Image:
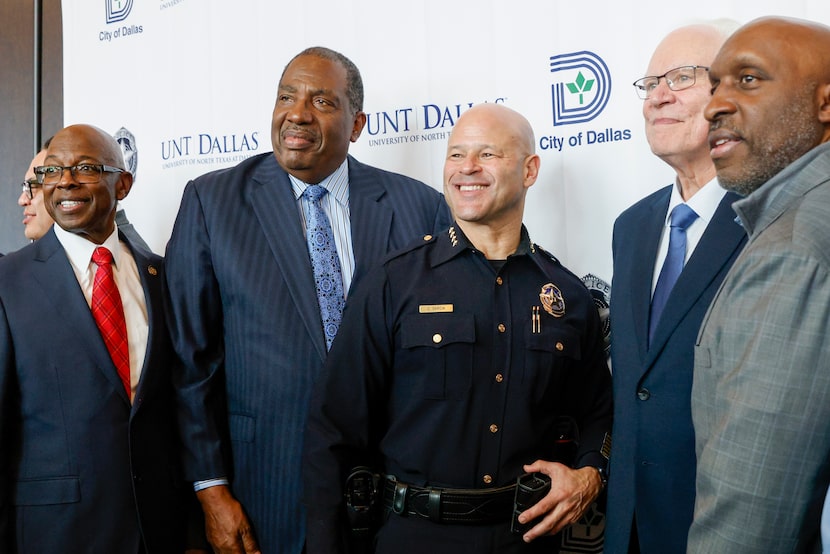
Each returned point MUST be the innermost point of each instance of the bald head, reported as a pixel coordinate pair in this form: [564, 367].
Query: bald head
[83, 201]
[771, 99]
[498, 118]
[105, 146]
[490, 164]
[689, 45]
[675, 128]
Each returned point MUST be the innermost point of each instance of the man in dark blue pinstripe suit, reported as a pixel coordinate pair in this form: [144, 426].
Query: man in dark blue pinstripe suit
[244, 309]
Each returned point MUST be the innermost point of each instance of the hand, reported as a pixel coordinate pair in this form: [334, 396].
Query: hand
[571, 493]
[226, 525]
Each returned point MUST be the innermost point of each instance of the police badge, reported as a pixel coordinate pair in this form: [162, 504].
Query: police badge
[552, 301]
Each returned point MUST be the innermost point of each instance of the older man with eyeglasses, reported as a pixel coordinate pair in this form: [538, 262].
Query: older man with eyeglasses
[36, 219]
[89, 459]
[684, 233]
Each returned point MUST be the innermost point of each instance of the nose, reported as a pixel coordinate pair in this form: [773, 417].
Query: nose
[720, 104]
[66, 171]
[299, 112]
[469, 165]
[661, 93]
[23, 199]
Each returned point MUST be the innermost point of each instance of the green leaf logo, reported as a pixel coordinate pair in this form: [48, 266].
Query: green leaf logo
[581, 86]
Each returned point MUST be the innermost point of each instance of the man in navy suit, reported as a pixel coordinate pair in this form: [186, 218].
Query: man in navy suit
[652, 476]
[244, 306]
[89, 459]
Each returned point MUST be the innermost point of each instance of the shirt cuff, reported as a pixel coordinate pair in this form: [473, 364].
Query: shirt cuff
[207, 483]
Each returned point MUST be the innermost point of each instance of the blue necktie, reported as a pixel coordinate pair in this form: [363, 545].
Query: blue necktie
[328, 277]
[681, 217]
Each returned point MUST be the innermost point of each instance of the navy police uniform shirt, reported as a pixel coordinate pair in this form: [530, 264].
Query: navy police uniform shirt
[450, 371]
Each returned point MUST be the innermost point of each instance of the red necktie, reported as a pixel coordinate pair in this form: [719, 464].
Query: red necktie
[109, 314]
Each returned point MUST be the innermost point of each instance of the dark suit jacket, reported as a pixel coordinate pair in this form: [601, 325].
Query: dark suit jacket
[81, 470]
[245, 320]
[652, 468]
[129, 230]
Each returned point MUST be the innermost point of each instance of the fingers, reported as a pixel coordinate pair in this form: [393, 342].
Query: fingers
[571, 493]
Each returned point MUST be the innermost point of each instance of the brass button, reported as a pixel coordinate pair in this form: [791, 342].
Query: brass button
[494, 428]
[499, 280]
[427, 237]
[502, 328]
[436, 338]
[499, 377]
[560, 346]
[487, 479]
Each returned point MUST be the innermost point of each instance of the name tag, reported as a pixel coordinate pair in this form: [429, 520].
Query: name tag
[434, 308]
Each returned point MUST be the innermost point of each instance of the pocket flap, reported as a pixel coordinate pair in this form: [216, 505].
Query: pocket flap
[42, 492]
[437, 330]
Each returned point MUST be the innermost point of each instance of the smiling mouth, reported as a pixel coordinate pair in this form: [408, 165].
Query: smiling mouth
[470, 188]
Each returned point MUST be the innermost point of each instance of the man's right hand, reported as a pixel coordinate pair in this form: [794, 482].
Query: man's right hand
[226, 525]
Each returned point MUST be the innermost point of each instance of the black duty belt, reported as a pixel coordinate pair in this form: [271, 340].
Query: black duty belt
[449, 505]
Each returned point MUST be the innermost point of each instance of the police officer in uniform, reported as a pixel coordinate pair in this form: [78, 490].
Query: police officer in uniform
[455, 364]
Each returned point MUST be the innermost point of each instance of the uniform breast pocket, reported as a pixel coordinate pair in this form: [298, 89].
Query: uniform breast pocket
[548, 355]
[437, 353]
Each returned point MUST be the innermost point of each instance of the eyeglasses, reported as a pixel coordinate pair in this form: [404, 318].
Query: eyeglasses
[29, 186]
[679, 78]
[82, 173]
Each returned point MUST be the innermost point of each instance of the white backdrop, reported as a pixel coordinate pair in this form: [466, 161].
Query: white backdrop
[193, 83]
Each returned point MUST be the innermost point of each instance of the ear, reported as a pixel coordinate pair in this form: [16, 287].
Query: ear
[357, 126]
[823, 97]
[531, 169]
[123, 185]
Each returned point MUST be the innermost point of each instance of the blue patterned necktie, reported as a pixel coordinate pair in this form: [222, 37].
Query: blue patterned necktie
[681, 217]
[328, 277]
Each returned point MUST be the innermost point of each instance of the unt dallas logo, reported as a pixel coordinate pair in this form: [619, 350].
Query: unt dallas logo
[581, 89]
[118, 10]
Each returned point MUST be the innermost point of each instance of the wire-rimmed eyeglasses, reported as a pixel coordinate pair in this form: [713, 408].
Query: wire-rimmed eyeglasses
[679, 78]
[82, 173]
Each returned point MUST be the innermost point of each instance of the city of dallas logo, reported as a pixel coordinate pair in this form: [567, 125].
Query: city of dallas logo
[118, 10]
[582, 88]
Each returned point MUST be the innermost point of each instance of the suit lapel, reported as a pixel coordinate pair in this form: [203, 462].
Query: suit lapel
[371, 220]
[55, 276]
[150, 276]
[642, 272]
[723, 236]
[275, 207]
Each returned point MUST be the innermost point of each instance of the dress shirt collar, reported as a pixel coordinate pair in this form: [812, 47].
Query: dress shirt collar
[337, 184]
[704, 202]
[79, 250]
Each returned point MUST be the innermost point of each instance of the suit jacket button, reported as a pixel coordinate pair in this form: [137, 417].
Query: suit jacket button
[643, 394]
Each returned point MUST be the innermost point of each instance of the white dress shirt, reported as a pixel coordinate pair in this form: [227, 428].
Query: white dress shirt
[79, 251]
[705, 203]
[336, 206]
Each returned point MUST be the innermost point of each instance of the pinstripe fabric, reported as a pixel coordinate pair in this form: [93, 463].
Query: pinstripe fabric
[761, 393]
[245, 320]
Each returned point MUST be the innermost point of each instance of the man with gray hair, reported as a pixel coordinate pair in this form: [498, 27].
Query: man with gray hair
[654, 321]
